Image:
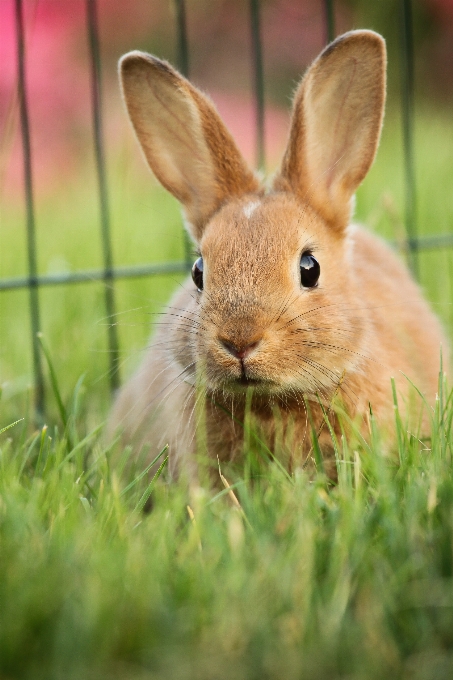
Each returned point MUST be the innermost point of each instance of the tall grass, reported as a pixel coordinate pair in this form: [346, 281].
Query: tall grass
[276, 576]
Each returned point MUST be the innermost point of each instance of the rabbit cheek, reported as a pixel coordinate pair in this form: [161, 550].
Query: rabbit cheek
[315, 343]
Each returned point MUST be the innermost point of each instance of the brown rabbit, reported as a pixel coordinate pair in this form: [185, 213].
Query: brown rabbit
[286, 297]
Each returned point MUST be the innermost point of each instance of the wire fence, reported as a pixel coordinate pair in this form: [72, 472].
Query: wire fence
[109, 272]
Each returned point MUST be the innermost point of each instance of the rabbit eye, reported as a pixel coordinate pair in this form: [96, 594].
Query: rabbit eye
[309, 270]
[197, 274]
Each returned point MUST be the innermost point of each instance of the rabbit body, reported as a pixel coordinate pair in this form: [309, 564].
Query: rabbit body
[253, 334]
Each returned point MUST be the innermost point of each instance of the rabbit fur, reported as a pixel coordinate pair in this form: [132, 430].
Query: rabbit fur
[254, 325]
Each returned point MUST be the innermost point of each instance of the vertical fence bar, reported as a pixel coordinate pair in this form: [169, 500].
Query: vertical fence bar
[30, 215]
[258, 79]
[93, 39]
[330, 20]
[182, 61]
[182, 44]
[407, 110]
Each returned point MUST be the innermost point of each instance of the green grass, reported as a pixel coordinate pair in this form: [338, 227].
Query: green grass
[305, 580]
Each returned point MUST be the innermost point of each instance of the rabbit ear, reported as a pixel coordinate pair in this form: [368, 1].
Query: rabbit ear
[336, 124]
[183, 138]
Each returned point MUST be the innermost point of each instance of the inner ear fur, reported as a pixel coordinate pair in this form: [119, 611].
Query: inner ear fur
[336, 124]
[183, 138]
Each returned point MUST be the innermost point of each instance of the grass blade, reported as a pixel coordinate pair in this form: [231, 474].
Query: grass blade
[8, 427]
[54, 381]
[145, 471]
[149, 489]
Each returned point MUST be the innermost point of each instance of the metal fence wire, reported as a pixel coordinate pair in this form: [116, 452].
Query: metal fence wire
[109, 272]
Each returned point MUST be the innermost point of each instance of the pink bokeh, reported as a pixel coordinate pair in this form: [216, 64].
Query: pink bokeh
[57, 91]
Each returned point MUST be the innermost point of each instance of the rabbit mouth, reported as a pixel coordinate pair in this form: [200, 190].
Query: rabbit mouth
[246, 381]
[261, 385]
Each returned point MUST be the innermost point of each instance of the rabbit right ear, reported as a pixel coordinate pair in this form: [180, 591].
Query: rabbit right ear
[336, 125]
[183, 138]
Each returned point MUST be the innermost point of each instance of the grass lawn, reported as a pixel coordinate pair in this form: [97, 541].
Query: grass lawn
[303, 580]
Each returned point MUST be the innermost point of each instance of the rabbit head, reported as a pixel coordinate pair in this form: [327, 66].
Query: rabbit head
[274, 298]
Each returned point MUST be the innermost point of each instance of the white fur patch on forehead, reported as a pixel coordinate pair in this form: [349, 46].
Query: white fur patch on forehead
[250, 208]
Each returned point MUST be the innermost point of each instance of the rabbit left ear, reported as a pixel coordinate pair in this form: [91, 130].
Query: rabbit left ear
[336, 125]
[183, 138]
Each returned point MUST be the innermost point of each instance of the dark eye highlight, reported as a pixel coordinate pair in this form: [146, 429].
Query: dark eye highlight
[309, 270]
[197, 274]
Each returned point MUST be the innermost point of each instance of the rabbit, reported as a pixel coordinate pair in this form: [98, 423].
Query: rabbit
[289, 307]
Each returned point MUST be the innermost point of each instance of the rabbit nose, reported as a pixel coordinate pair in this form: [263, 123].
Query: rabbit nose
[239, 351]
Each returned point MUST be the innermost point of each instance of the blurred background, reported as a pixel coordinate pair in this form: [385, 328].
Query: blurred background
[145, 221]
